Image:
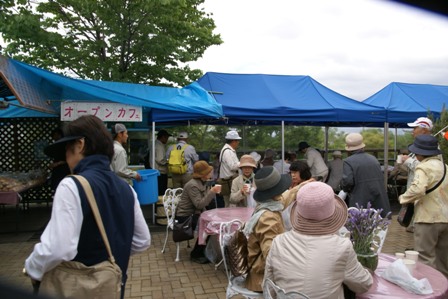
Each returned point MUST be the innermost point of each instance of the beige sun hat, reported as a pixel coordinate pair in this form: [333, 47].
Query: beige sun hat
[353, 142]
[247, 160]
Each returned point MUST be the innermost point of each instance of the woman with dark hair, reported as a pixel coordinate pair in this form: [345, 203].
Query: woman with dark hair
[300, 174]
[72, 233]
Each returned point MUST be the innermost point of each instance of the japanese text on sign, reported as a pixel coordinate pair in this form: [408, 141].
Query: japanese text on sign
[104, 111]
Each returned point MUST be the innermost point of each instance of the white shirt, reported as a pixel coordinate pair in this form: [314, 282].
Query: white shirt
[279, 164]
[229, 161]
[119, 163]
[59, 241]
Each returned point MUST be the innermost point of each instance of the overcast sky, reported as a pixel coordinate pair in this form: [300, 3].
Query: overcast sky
[355, 47]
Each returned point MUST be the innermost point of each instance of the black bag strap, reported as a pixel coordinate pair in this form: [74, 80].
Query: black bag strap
[220, 160]
[440, 182]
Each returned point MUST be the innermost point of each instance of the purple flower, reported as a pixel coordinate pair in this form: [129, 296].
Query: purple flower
[363, 224]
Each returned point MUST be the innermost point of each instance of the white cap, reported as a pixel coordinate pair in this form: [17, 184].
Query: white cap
[183, 135]
[422, 122]
[232, 135]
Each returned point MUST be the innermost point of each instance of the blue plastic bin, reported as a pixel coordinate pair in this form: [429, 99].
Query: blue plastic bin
[147, 189]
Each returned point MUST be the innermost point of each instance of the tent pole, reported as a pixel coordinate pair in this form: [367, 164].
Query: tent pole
[326, 144]
[283, 145]
[153, 163]
[386, 153]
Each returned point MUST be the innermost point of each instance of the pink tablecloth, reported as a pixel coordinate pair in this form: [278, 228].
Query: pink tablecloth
[210, 220]
[9, 198]
[382, 288]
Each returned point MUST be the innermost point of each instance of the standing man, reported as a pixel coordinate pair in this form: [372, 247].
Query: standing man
[119, 162]
[190, 156]
[422, 126]
[319, 169]
[362, 177]
[161, 163]
[229, 163]
[335, 171]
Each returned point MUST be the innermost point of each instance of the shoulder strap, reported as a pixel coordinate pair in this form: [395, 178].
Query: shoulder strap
[440, 182]
[96, 213]
[220, 160]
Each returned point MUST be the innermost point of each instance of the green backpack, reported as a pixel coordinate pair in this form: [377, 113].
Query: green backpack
[176, 162]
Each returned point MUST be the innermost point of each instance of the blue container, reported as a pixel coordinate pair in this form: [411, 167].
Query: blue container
[146, 189]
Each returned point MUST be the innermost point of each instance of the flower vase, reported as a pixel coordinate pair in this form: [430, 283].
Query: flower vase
[369, 261]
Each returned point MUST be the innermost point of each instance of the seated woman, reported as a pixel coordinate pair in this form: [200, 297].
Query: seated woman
[195, 197]
[312, 258]
[266, 222]
[240, 193]
[300, 174]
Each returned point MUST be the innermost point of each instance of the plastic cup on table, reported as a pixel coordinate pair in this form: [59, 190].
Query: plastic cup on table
[410, 264]
[399, 255]
[411, 255]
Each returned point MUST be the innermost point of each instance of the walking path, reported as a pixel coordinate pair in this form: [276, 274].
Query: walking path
[151, 274]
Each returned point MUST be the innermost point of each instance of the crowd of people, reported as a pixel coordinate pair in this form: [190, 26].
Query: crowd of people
[292, 233]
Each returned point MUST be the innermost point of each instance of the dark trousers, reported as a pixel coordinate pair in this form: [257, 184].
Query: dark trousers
[198, 250]
[162, 183]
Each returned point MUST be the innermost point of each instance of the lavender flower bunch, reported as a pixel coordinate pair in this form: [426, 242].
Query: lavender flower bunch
[363, 224]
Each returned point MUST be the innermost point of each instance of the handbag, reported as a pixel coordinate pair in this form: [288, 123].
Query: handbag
[407, 210]
[73, 279]
[236, 252]
[183, 231]
[226, 183]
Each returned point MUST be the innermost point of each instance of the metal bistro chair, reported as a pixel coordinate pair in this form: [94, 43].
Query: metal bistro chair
[273, 291]
[236, 284]
[170, 200]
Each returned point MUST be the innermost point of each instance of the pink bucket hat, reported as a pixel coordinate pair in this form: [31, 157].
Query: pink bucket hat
[317, 210]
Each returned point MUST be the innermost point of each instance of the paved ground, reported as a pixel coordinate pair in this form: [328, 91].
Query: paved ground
[151, 274]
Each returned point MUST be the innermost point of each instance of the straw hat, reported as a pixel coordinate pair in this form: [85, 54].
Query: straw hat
[425, 145]
[247, 160]
[270, 183]
[317, 210]
[200, 169]
[353, 142]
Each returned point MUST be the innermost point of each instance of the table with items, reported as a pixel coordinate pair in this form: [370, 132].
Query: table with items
[14, 183]
[210, 220]
[382, 288]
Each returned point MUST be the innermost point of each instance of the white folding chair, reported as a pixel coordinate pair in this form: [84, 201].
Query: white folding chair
[273, 291]
[170, 200]
[380, 233]
[236, 284]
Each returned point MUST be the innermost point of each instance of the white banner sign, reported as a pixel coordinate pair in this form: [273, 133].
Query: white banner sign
[105, 111]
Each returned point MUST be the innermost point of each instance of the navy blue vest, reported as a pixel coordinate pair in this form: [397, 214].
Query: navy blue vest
[116, 205]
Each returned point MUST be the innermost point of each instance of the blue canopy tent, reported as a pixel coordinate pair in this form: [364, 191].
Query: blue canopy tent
[43, 90]
[405, 102]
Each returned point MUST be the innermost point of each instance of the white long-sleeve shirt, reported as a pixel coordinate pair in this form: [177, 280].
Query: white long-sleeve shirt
[59, 241]
[119, 163]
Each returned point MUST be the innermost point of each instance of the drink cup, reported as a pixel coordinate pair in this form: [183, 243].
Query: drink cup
[410, 264]
[247, 188]
[219, 187]
[399, 255]
[400, 159]
[411, 255]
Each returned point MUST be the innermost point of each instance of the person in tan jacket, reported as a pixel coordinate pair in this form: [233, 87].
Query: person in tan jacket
[240, 193]
[430, 208]
[266, 222]
[312, 258]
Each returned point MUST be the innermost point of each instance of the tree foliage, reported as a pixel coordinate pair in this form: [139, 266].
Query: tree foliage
[137, 41]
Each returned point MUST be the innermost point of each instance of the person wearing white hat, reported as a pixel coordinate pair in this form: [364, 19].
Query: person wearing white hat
[362, 177]
[191, 157]
[335, 171]
[312, 258]
[421, 126]
[228, 161]
[119, 163]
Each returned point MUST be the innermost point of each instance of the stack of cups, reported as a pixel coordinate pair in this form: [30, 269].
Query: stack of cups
[411, 259]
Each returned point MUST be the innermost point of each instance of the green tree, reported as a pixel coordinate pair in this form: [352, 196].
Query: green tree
[439, 124]
[138, 41]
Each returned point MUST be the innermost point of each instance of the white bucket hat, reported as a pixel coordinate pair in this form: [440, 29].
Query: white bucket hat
[232, 135]
[353, 142]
